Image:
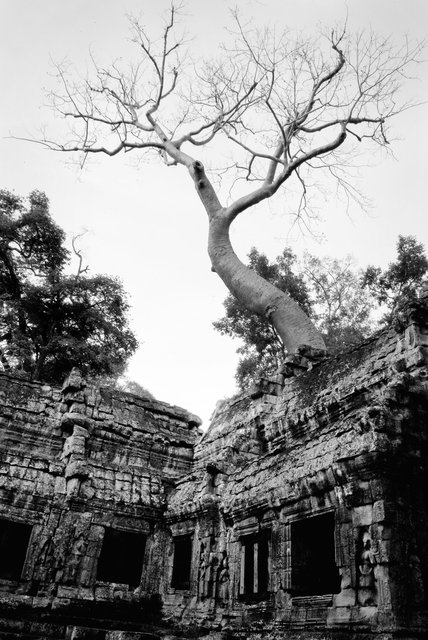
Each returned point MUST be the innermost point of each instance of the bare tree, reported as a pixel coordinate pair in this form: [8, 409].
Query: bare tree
[289, 106]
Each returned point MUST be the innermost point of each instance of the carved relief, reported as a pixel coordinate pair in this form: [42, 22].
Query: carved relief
[223, 577]
[207, 567]
[417, 587]
[367, 591]
[202, 571]
[76, 555]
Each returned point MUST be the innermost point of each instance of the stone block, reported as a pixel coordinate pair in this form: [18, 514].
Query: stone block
[368, 615]
[60, 486]
[85, 633]
[362, 516]
[67, 592]
[78, 469]
[346, 598]
[338, 616]
[103, 591]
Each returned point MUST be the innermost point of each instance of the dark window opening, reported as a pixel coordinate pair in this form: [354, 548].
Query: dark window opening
[121, 557]
[211, 482]
[182, 562]
[14, 538]
[313, 567]
[254, 582]
[248, 551]
[212, 478]
[263, 566]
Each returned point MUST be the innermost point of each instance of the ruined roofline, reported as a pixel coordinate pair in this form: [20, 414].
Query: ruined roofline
[156, 407]
[410, 312]
[282, 414]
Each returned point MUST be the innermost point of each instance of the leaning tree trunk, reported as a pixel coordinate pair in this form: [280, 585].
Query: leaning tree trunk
[257, 294]
[254, 292]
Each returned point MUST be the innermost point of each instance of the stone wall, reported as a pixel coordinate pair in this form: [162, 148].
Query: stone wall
[75, 463]
[301, 512]
[338, 453]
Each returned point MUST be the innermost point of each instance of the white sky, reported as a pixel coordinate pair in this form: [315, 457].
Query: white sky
[146, 224]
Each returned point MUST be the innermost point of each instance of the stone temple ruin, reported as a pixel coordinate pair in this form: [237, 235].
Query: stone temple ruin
[301, 513]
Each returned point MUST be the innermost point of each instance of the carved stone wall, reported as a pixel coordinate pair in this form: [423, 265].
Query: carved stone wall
[301, 513]
[75, 463]
[348, 439]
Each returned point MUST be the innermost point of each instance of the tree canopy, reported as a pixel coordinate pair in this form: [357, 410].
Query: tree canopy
[402, 277]
[50, 320]
[341, 307]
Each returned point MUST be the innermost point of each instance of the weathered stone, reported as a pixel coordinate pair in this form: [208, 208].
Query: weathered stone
[339, 446]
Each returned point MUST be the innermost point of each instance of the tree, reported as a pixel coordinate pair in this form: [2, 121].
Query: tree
[131, 386]
[51, 321]
[401, 279]
[327, 289]
[262, 351]
[341, 307]
[290, 108]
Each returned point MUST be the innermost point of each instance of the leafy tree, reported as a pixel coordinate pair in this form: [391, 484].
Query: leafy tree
[341, 307]
[131, 386]
[51, 321]
[401, 279]
[290, 108]
[262, 350]
[327, 289]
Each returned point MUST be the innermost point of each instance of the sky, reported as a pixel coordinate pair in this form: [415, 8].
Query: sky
[143, 221]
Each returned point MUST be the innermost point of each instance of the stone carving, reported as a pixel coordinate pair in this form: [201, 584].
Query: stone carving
[202, 571]
[417, 587]
[47, 563]
[76, 555]
[206, 573]
[223, 578]
[367, 593]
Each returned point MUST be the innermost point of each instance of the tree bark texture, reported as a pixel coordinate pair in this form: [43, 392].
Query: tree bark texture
[256, 294]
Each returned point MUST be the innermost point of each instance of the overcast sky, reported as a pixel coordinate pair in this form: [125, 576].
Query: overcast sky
[145, 223]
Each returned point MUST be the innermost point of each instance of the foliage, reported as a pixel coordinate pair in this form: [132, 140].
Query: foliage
[328, 290]
[402, 277]
[341, 307]
[134, 387]
[51, 321]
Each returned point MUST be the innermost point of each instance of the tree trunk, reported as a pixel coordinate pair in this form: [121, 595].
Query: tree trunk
[37, 369]
[256, 294]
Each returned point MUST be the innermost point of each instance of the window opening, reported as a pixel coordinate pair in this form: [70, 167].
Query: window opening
[254, 581]
[313, 567]
[182, 562]
[14, 539]
[121, 558]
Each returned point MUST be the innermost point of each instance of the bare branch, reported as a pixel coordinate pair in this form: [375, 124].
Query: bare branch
[78, 252]
[282, 104]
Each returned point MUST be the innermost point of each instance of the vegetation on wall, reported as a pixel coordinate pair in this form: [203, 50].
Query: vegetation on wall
[337, 297]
